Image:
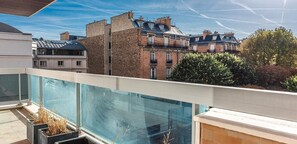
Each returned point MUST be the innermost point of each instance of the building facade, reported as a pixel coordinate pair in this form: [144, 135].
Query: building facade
[59, 55]
[210, 42]
[15, 47]
[134, 47]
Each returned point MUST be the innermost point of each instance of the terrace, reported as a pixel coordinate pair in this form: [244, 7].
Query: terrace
[114, 109]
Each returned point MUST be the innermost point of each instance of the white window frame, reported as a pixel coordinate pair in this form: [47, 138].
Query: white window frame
[152, 55]
[212, 48]
[150, 39]
[166, 41]
[153, 73]
[168, 72]
[168, 56]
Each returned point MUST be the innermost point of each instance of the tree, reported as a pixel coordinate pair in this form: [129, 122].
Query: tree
[243, 73]
[267, 47]
[202, 68]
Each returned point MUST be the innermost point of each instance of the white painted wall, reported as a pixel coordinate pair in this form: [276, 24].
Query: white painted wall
[15, 50]
[69, 63]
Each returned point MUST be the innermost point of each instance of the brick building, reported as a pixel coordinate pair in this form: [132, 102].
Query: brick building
[134, 47]
[214, 42]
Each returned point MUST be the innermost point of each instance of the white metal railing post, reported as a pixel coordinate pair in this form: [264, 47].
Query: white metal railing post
[29, 90]
[40, 92]
[78, 118]
[193, 123]
[20, 90]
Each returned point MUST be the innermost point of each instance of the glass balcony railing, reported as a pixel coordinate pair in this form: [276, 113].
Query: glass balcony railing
[127, 110]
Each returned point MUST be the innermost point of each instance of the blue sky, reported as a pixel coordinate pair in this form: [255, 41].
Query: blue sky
[192, 16]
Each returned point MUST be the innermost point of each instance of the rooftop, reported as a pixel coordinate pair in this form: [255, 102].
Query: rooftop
[58, 44]
[7, 28]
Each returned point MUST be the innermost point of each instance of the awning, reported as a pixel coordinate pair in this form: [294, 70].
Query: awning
[23, 7]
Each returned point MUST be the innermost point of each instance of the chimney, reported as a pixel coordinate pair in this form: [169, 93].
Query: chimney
[205, 33]
[64, 36]
[164, 20]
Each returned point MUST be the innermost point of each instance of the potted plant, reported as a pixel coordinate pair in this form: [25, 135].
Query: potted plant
[33, 125]
[78, 140]
[57, 131]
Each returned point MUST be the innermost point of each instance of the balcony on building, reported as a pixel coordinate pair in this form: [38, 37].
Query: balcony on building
[154, 61]
[146, 110]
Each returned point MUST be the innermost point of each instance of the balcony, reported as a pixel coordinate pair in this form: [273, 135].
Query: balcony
[149, 45]
[154, 62]
[126, 110]
[169, 62]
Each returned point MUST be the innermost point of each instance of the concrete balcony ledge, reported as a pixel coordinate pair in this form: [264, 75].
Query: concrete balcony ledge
[251, 126]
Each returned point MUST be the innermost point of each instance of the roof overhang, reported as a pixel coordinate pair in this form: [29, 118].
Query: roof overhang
[23, 7]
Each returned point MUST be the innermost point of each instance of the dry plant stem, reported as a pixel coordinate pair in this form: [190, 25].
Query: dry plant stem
[42, 117]
[56, 127]
[166, 138]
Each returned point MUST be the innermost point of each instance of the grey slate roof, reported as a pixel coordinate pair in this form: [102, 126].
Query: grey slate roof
[7, 28]
[149, 26]
[221, 38]
[58, 44]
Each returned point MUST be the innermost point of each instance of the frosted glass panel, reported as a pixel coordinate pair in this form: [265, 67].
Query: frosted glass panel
[9, 88]
[34, 89]
[24, 86]
[59, 97]
[130, 118]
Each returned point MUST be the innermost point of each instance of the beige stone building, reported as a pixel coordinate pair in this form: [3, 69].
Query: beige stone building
[59, 55]
[134, 47]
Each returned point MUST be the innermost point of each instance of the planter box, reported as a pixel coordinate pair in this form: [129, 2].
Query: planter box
[32, 131]
[43, 138]
[79, 140]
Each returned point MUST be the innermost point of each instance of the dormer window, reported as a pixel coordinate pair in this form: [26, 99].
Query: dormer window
[140, 23]
[197, 39]
[214, 38]
[161, 27]
[151, 25]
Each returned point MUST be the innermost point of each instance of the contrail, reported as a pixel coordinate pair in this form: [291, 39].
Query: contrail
[283, 13]
[231, 29]
[255, 13]
[91, 7]
[216, 21]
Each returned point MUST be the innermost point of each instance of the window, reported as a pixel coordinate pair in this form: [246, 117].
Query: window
[35, 63]
[195, 48]
[153, 73]
[166, 39]
[168, 56]
[152, 56]
[212, 48]
[182, 43]
[197, 39]
[78, 71]
[168, 73]
[78, 63]
[42, 63]
[150, 40]
[214, 37]
[60, 63]
[109, 59]
[109, 45]
[226, 47]
[109, 72]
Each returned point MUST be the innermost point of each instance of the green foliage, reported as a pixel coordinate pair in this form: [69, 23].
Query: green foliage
[243, 73]
[269, 47]
[291, 83]
[202, 68]
[271, 75]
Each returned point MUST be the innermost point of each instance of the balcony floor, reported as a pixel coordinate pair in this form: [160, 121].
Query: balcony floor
[13, 127]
